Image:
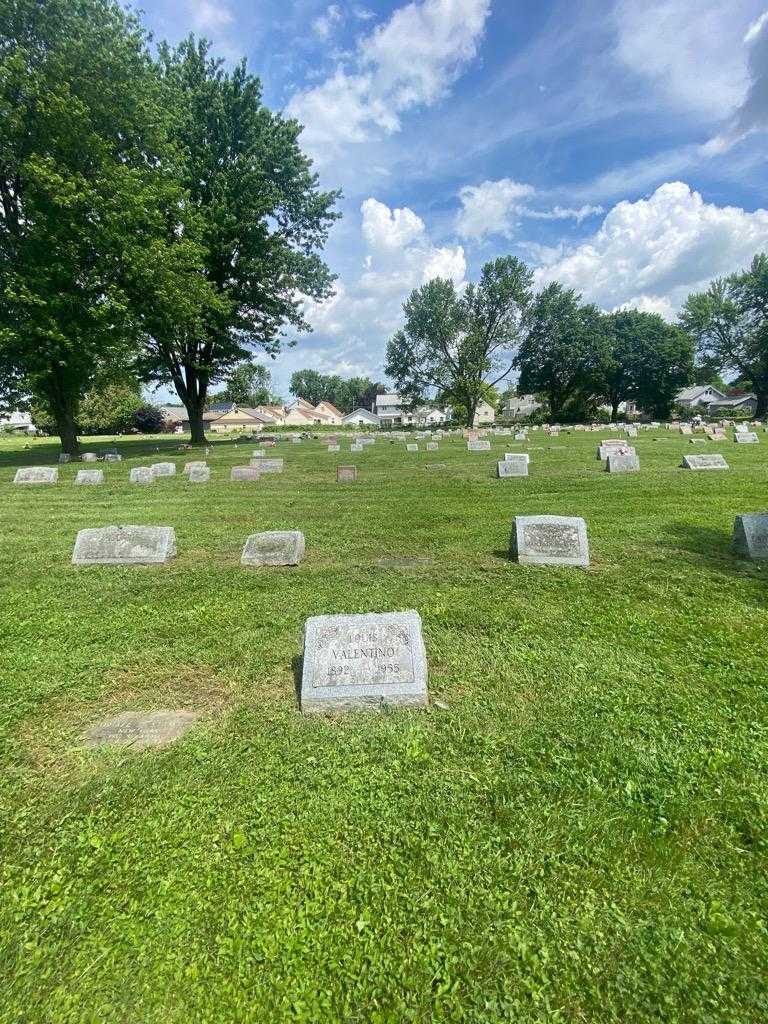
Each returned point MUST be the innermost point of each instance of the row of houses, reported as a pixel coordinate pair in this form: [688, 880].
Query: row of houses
[706, 397]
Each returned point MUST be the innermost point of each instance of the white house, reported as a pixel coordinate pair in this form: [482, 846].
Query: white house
[519, 406]
[21, 421]
[390, 411]
[484, 413]
[425, 416]
[361, 418]
[699, 394]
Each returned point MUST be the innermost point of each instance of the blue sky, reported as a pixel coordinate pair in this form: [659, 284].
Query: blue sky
[615, 145]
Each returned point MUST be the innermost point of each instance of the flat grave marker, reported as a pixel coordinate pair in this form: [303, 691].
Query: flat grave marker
[140, 730]
[37, 475]
[90, 477]
[244, 474]
[274, 547]
[550, 540]
[141, 475]
[513, 465]
[346, 474]
[617, 462]
[746, 437]
[704, 462]
[125, 545]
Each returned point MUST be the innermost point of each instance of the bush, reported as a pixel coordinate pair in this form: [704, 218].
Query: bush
[148, 419]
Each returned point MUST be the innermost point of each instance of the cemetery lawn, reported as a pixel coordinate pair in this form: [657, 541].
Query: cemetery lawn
[576, 830]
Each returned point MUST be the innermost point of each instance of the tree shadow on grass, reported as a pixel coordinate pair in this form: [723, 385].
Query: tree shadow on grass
[297, 664]
[711, 547]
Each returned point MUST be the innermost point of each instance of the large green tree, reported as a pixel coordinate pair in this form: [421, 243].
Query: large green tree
[259, 215]
[247, 384]
[729, 323]
[461, 343]
[565, 353]
[88, 197]
[648, 361]
[346, 393]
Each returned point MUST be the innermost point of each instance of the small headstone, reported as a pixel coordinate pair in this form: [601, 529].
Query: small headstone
[257, 453]
[437, 465]
[125, 545]
[141, 730]
[346, 474]
[478, 446]
[631, 431]
[746, 437]
[619, 463]
[275, 547]
[64, 458]
[113, 457]
[704, 462]
[432, 446]
[90, 476]
[521, 437]
[163, 469]
[268, 465]
[411, 447]
[295, 440]
[199, 475]
[741, 428]
[355, 447]
[550, 540]
[37, 475]
[89, 457]
[189, 466]
[359, 662]
[141, 475]
[334, 448]
[606, 447]
[750, 536]
[513, 465]
[685, 428]
[248, 473]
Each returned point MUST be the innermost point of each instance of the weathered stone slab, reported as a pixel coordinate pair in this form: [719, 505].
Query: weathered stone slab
[199, 464]
[64, 458]
[750, 536]
[257, 453]
[113, 457]
[437, 465]
[141, 475]
[89, 457]
[275, 547]
[37, 475]
[140, 730]
[268, 465]
[90, 477]
[346, 474]
[704, 462]
[199, 475]
[355, 447]
[163, 469]
[478, 446]
[411, 447]
[741, 428]
[513, 465]
[359, 662]
[619, 463]
[245, 473]
[620, 447]
[125, 545]
[432, 446]
[334, 447]
[550, 540]
[521, 437]
[746, 437]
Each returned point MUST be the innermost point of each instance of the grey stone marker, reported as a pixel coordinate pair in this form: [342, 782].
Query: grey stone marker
[125, 545]
[163, 469]
[295, 440]
[141, 475]
[37, 475]
[90, 476]
[513, 465]
[521, 437]
[113, 457]
[750, 536]
[411, 447]
[550, 540]
[257, 453]
[247, 473]
[199, 475]
[275, 547]
[89, 457]
[140, 730]
[432, 446]
[346, 474]
[478, 446]
[620, 447]
[704, 462]
[617, 463]
[746, 437]
[334, 447]
[189, 466]
[268, 465]
[360, 662]
[355, 447]
[64, 458]
[437, 465]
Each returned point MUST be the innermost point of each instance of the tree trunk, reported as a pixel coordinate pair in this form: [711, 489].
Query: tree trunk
[762, 404]
[62, 409]
[615, 403]
[195, 409]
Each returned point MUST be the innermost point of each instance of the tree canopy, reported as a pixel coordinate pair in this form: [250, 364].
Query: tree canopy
[248, 384]
[346, 393]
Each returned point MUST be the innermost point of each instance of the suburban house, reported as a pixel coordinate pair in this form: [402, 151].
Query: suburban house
[519, 407]
[699, 394]
[392, 411]
[739, 404]
[361, 418]
[328, 413]
[426, 416]
[484, 413]
[234, 418]
[21, 421]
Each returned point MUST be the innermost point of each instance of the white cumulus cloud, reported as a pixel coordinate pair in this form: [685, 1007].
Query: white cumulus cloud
[655, 251]
[323, 25]
[496, 207]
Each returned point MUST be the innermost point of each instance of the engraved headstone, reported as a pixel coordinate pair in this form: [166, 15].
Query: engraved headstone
[64, 458]
[141, 475]
[606, 447]
[90, 477]
[355, 447]
[113, 457]
[268, 465]
[163, 469]
[550, 540]
[513, 465]
[617, 462]
[359, 662]
[246, 473]
[478, 446]
[704, 462]
[521, 437]
[199, 474]
[346, 474]
[189, 466]
[685, 428]
[89, 457]
[432, 446]
[125, 545]
[741, 428]
[257, 453]
[275, 547]
[746, 437]
[334, 447]
[411, 447]
[750, 536]
[140, 730]
[37, 475]
[295, 440]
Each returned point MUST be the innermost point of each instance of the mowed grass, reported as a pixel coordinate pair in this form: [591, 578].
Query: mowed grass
[581, 835]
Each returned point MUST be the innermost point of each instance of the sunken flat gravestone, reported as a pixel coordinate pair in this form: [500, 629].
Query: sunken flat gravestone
[478, 446]
[334, 447]
[513, 465]
[432, 446]
[89, 457]
[163, 469]
[746, 437]
[275, 547]
[141, 475]
[268, 465]
[550, 540]
[91, 477]
[37, 475]
[199, 475]
[346, 474]
[750, 536]
[704, 462]
[140, 730]
[437, 465]
[411, 447]
[247, 473]
[620, 463]
[125, 545]
[359, 662]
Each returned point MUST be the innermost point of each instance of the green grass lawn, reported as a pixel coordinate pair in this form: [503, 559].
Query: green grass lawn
[581, 836]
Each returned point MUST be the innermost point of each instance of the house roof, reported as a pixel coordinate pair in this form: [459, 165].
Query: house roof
[366, 414]
[692, 393]
[331, 406]
[735, 400]
[174, 413]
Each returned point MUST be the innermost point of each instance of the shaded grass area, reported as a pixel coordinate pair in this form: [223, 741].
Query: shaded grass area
[581, 836]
